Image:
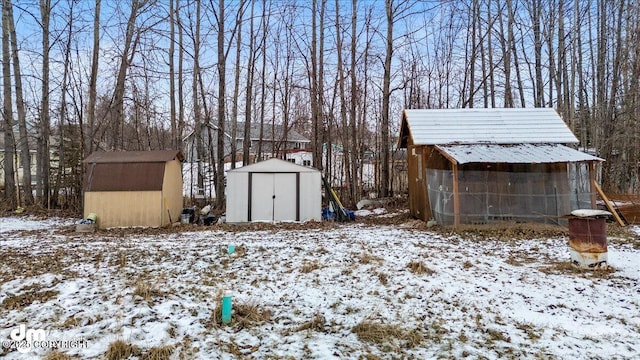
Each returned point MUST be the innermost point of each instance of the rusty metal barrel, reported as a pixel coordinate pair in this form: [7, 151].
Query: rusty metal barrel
[588, 238]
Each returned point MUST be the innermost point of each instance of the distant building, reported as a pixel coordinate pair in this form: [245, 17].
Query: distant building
[276, 141]
[17, 161]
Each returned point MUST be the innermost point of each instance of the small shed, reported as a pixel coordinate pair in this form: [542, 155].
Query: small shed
[273, 190]
[475, 166]
[133, 188]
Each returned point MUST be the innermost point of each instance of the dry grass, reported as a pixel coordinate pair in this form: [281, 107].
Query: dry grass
[530, 330]
[316, 323]
[379, 334]
[57, 355]
[567, 267]
[21, 301]
[250, 314]
[20, 262]
[120, 350]
[147, 291]
[497, 335]
[309, 266]
[507, 231]
[243, 315]
[367, 258]
[384, 279]
[158, 353]
[419, 268]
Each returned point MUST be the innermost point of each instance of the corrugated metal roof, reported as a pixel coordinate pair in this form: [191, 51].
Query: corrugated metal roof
[515, 154]
[481, 125]
[133, 156]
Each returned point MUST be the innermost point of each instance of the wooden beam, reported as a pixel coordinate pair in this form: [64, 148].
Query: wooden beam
[592, 179]
[609, 206]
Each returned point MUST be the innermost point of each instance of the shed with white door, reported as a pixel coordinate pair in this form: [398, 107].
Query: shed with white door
[273, 190]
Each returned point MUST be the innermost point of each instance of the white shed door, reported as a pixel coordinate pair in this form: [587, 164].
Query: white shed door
[273, 197]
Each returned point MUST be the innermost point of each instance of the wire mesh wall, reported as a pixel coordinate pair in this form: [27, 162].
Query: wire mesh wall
[490, 196]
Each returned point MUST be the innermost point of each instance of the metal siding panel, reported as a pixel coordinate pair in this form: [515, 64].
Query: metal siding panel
[237, 197]
[285, 196]
[262, 203]
[125, 208]
[310, 197]
[172, 190]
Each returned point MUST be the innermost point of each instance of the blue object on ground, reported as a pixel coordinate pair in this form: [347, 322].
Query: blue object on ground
[327, 215]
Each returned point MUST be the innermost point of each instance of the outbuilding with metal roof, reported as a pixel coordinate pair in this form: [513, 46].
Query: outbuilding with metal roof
[273, 190]
[481, 165]
[133, 188]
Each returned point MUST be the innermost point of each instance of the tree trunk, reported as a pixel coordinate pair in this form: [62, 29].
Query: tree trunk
[10, 194]
[175, 139]
[200, 130]
[263, 77]
[181, 122]
[353, 131]
[128, 52]
[236, 94]
[91, 111]
[251, 60]
[62, 152]
[23, 143]
[221, 107]
[385, 142]
[45, 126]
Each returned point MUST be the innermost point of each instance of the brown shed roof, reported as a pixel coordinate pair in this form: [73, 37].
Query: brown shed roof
[127, 170]
[134, 156]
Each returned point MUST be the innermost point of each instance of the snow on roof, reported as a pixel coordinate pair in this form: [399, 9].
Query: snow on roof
[274, 165]
[515, 154]
[480, 125]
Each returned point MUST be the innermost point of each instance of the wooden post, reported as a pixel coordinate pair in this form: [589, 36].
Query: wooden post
[456, 194]
[592, 180]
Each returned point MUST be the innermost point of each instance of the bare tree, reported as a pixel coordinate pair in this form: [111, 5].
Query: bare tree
[23, 143]
[236, 91]
[251, 64]
[42, 172]
[93, 80]
[126, 58]
[221, 105]
[10, 194]
[175, 137]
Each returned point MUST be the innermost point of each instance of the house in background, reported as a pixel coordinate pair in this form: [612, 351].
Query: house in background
[471, 166]
[276, 142]
[133, 188]
[17, 162]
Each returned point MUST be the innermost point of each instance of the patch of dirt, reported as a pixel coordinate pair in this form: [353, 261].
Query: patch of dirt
[505, 231]
[388, 219]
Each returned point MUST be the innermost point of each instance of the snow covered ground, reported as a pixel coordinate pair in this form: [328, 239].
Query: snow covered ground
[344, 291]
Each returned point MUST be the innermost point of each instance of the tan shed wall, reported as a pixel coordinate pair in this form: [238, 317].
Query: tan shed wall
[172, 191]
[125, 208]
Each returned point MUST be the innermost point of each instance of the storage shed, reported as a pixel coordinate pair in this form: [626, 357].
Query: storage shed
[273, 190]
[133, 188]
[472, 166]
